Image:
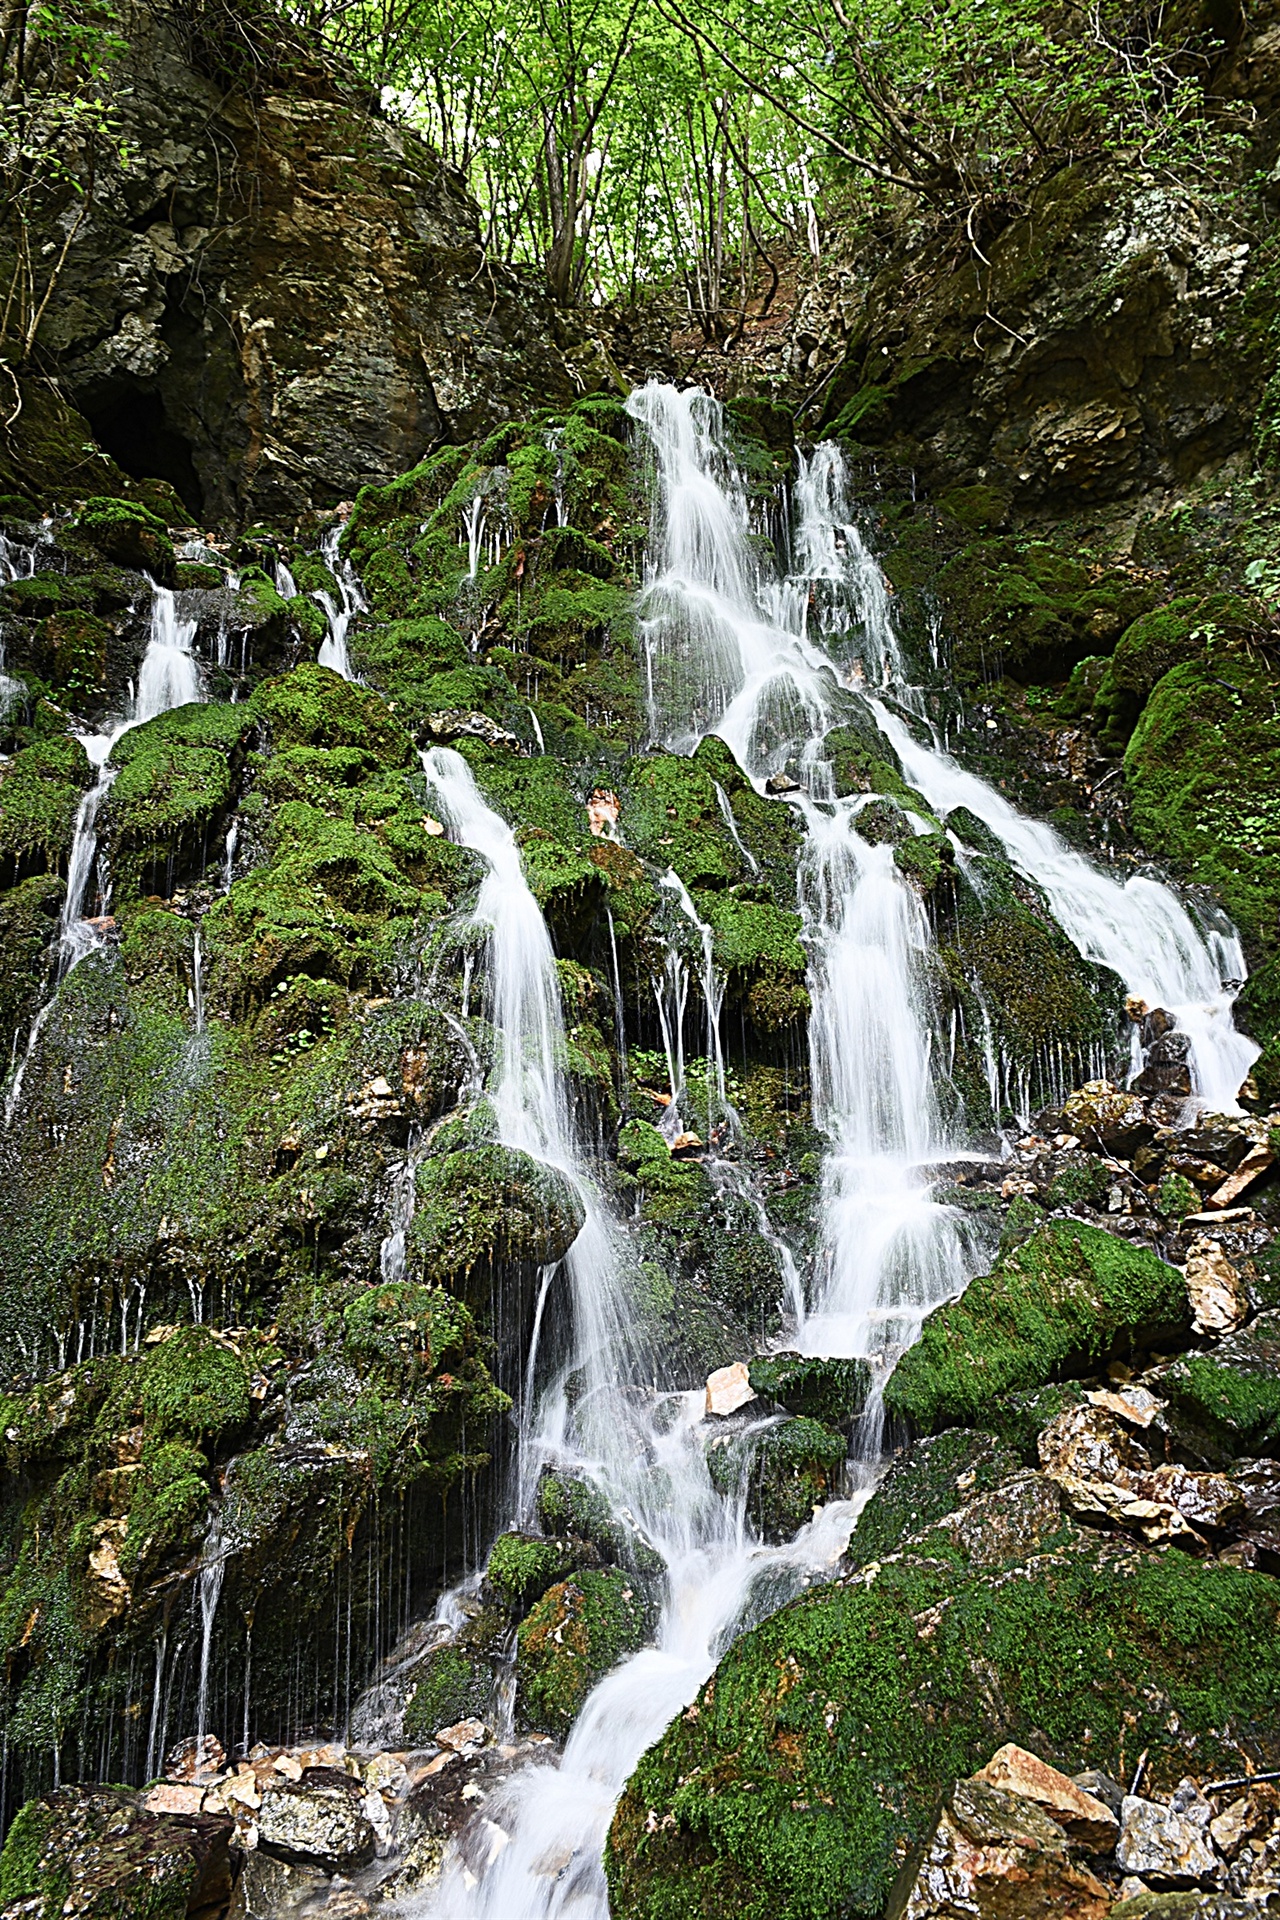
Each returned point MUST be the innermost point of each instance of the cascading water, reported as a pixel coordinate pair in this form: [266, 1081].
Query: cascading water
[538, 1852]
[168, 677]
[771, 664]
[339, 613]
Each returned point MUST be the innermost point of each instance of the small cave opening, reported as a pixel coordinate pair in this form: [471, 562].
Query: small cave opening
[135, 430]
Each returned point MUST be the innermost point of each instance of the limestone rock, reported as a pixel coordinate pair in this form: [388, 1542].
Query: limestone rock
[728, 1389]
[1165, 1845]
[994, 1855]
[317, 1822]
[1217, 1294]
[1084, 1817]
[1007, 1524]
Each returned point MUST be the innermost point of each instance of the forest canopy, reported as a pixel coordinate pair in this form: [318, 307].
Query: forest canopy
[639, 148]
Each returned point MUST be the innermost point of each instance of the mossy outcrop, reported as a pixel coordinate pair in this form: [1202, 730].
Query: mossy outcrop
[1067, 1297]
[571, 1638]
[808, 1768]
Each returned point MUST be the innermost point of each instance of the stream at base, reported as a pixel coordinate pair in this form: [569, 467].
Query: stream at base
[771, 659]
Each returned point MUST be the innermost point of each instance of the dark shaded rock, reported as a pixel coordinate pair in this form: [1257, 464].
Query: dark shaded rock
[221, 331]
[117, 1858]
[832, 1390]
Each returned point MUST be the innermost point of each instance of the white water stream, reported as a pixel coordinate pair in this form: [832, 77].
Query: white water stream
[339, 613]
[169, 676]
[768, 660]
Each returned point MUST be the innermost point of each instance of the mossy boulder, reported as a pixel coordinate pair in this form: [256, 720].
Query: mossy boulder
[1157, 641]
[1067, 1298]
[131, 535]
[808, 1769]
[1226, 1401]
[455, 1683]
[523, 1565]
[491, 1206]
[1201, 770]
[832, 1390]
[931, 1479]
[176, 779]
[578, 1630]
[789, 1468]
[70, 648]
[98, 1846]
[41, 788]
[570, 1504]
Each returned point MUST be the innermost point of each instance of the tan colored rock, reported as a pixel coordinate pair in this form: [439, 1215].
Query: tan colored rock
[603, 809]
[996, 1856]
[729, 1388]
[1132, 1404]
[171, 1796]
[1255, 1162]
[464, 1733]
[1085, 1818]
[109, 1592]
[287, 1767]
[1219, 1302]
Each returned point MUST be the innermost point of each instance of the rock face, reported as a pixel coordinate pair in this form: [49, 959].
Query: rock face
[99, 1844]
[282, 297]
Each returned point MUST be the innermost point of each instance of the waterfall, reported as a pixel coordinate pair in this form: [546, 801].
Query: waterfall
[643, 1449]
[168, 677]
[339, 612]
[1138, 928]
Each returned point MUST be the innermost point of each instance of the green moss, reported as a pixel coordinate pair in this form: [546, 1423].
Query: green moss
[790, 1467]
[28, 921]
[129, 534]
[1201, 770]
[406, 1328]
[925, 859]
[1069, 1295]
[455, 1685]
[194, 1385]
[487, 1207]
[932, 1479]
[1233, 1391]
[573, 1636]
[315, 707]
[1176, 1197]
[831, 1390]
[71, 648]
[24, 1851]
[176, 780]
[810, 1765]
[522, 1566]
[197, 576]
[40, 790]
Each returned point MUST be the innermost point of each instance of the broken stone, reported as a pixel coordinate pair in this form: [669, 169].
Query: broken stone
[1217, 1294]
[1007, 1524]
[1203, 1499]
[319, 1823]
[464, 1733]
[192, 1760]
[1131, 1403]
[781, 783]
[729, 1388]
[1163, 1846]
[603, 809]
[1100, 1113]
[1102, 1787]
[1255, 1162]
[455, 723]
[172, 1796]
[995, 1854]
[1085, 1817]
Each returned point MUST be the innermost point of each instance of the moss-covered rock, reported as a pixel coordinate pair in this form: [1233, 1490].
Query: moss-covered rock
[177, 778]
[931, 1479]
[99, 1846]
[131, 535]
[1226, 1401]
[1201, 772]
[483, 1208]
[808, 1769]
[40, 790]
[832, 1390]
[578, 1630]
[455, 1683]
[1067, 1297]
[788, 1468]
[522, 1566]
